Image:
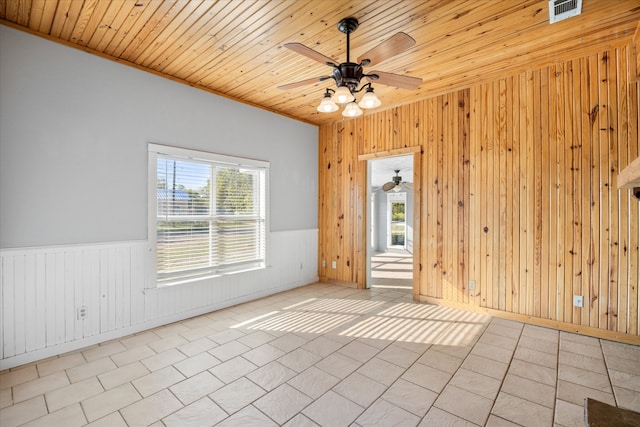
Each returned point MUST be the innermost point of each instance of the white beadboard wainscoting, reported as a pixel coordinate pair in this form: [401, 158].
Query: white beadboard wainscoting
[43, 288]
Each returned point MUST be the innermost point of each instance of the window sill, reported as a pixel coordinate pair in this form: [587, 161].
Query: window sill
[170, 284]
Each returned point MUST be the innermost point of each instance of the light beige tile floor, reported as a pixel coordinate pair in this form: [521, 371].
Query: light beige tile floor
[332, 356]
[392, 270]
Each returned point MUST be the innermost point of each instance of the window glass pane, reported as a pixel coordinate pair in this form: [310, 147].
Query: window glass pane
[239, 241]
[397, 212]
[182, 245]
[183, 188]
[397, 224]
[235, 192]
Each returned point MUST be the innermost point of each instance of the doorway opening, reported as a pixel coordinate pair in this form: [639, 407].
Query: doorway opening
[390, 216]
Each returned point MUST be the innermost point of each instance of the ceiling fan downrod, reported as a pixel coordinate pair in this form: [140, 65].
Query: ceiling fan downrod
[348, 26]
[348, 73]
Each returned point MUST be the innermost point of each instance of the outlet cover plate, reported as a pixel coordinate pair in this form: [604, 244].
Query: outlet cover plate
[577, 301]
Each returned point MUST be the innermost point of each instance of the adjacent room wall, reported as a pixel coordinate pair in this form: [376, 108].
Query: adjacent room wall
[382, 221]
[74, 130]
[517, 192]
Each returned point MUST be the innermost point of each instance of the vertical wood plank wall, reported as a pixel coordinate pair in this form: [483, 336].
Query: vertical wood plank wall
[518, 185]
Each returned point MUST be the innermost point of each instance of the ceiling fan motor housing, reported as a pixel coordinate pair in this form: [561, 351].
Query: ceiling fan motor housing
[348, 74]
[348, 25]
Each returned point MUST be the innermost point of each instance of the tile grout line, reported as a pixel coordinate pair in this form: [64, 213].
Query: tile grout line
[286, 382]
[453, 374]
[351, 373]
[555, 403]
[606, 368]
[396, 380]
[355, 371]
[79, 402]
[506, 372]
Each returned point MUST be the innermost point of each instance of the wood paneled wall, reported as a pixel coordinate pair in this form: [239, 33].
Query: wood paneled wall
[517, 191]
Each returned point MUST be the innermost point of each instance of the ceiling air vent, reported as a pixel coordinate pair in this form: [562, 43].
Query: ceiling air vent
[563, 9]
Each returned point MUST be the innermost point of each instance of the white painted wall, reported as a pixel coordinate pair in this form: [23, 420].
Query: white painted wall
[74, 130]
[382, 221]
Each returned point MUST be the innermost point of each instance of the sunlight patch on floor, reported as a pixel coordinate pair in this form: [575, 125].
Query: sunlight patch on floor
[341, 305]
[392, 287]
[318, 323]
[400, 329]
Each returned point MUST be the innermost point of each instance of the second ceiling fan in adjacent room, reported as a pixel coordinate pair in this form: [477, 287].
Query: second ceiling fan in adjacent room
[396, 184]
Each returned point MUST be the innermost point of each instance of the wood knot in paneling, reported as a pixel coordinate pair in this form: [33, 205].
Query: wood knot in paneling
[593, 115]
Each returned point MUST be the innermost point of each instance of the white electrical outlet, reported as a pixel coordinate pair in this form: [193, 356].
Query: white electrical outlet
[82, 313]
[324, 263]
[472, 285]
[577, 301]
[334, 264]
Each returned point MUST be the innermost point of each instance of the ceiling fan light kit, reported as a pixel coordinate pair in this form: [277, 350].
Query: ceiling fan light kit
[352, 110]
[370, 100]
[348, 75]
[343, 95]
[327, 105]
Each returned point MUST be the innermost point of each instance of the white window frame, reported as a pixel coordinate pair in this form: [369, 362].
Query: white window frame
[156, 150]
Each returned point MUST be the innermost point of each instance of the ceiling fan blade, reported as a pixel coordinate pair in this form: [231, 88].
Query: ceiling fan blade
[408, 185]
[394, 45]
[303, 83]
[390, 79]
[388, 186]
[310, 53]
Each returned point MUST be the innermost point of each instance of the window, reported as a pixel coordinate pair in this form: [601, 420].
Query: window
[397, 224]
[207, 213]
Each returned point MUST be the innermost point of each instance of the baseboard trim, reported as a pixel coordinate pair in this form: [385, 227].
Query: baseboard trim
[72, 346]
[553, 324]
[339, 283]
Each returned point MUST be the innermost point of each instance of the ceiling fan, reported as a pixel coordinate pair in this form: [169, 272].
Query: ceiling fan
[396, 183]
[348, 75]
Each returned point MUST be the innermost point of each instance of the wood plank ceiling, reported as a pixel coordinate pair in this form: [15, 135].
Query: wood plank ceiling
[235, 48]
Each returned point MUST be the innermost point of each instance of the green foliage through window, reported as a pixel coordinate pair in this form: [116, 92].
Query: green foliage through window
[397, 211]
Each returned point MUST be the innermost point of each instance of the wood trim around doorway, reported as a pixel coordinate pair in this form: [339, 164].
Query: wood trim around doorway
[417, 203]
